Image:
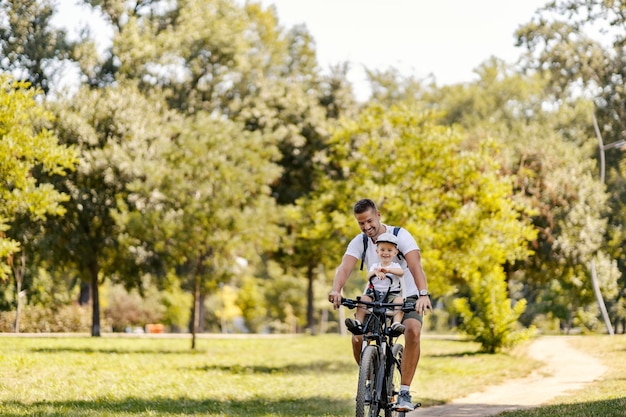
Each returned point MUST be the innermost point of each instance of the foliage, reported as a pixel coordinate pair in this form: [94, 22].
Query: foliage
[30, 47]
[129, 309]
[284, 295]
[197, 208]
[251, 303]
[39, 319]
[177, 304]
[119, 133]
[446, 191]
[26, 147]
[488, 316]
[579, 45]
[566, 214]
[207, 136]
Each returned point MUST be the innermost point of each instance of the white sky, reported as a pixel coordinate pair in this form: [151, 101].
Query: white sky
[447, 39]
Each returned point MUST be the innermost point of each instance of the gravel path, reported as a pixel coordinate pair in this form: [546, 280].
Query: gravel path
[566, 369]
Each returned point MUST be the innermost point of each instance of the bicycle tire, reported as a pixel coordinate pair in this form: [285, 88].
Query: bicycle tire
[394, 376]
[368, 369]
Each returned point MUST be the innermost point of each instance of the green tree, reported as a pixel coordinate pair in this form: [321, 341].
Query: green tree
[523, 116]
[208, 204]
[447, 191]
[31, 48]
[488, 314]
[29, 155]
[580, 44]
[119, 133]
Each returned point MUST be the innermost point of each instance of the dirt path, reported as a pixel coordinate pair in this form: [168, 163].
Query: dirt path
[566, 369]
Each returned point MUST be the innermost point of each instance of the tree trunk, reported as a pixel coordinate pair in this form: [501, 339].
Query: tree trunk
[18, 272]
[85, 293]
[196, 310]
[310, 299]
[95, 299]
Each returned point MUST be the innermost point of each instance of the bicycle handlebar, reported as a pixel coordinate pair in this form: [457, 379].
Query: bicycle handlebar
[351, 303]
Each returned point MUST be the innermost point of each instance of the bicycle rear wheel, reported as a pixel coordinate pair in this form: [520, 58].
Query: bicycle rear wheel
[394, 376]
[367, 383]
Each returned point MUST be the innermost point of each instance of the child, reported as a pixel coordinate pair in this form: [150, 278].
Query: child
[387, 249]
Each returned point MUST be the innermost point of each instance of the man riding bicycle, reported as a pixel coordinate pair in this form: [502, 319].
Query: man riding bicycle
[415, 285]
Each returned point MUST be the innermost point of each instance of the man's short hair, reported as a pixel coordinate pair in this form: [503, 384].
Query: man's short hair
[363, 205]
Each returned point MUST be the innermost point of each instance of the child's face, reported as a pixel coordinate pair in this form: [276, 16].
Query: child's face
[386, 251]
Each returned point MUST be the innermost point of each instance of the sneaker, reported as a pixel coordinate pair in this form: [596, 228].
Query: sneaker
[404, 402]
[398, 328]
[354, 326]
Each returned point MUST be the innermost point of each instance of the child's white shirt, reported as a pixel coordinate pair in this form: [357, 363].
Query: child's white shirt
[383, 284]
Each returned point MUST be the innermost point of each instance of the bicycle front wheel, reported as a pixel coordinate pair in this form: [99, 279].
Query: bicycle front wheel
[394, 376]
[368, 369]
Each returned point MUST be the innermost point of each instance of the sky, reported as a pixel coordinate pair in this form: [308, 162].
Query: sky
[445, 39]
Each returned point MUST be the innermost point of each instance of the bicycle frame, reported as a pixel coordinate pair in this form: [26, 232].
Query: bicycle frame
[379, 336]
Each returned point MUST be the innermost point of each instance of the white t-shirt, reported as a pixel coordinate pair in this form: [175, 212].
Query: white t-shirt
[406, 244]
[383, 284]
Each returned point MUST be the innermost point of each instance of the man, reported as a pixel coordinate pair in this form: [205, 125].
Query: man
[415, 285]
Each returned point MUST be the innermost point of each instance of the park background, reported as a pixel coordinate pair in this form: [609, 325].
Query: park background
[199, 173]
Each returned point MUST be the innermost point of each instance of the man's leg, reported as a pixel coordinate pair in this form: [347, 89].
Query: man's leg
[411, 354]
[357, 344]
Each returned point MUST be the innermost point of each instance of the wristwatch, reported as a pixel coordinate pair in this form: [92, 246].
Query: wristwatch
[424, 292]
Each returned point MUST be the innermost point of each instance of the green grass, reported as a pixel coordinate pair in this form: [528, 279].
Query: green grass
[252, 376]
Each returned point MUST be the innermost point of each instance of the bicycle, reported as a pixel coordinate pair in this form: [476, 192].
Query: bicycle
[381, 359]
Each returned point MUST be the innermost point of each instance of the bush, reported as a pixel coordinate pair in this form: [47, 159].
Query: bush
[37, 319]
[488, 315]
[129, 309]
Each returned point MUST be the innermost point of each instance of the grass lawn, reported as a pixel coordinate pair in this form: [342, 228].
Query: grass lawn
[251, 376]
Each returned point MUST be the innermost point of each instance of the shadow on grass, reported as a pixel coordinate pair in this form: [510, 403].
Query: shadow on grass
[316, 406]
[291, 368]
[457, 354]
[118, 351]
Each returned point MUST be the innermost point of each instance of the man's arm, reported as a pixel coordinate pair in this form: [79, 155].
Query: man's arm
[414, 262]
[341, 276]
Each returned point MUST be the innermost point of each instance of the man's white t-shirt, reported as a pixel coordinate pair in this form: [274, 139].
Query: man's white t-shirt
[406, 244]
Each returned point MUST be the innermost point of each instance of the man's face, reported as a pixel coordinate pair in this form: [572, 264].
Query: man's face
[369, 222]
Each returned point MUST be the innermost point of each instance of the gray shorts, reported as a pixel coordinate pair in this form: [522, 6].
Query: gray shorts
[413, 314]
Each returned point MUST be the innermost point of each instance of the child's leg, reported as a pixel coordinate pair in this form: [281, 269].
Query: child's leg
[361, 309]
[398, 314]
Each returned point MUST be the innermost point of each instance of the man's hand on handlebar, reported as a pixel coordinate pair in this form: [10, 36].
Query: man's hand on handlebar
[335, 298]
[423, 304]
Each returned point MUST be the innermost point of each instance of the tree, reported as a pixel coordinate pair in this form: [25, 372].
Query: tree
[31, 48]
[580, 44]
[29, 153]
[119, 133]
[448, 192]
[208, 204]
[523, 115]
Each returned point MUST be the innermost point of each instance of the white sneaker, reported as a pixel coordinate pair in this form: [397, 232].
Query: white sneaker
[404, 402]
